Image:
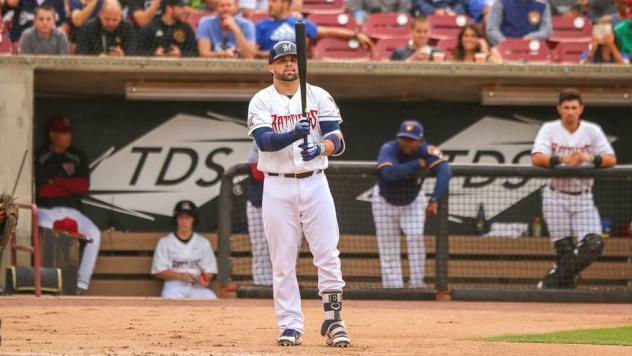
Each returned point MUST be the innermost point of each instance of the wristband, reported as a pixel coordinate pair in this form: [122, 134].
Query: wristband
[323, 149]
[597, 161]
[554, 161]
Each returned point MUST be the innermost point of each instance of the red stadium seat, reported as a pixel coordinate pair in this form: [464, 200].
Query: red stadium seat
[444, 27]
[570, 52]
[334, 20]
[382, 50]
[323, 6]
[519, 50]
[259, 16]
[447, 45]
[387, 25]
[194, 18]
[332, 49]
[566, 29]
[5, 44]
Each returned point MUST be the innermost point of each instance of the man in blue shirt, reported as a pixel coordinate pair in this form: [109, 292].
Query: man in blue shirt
[280, 27]
[526, 19]
[398, 202]
[224, 35]
[438, 7]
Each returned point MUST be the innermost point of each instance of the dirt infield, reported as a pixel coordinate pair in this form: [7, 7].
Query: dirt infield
[80, 325]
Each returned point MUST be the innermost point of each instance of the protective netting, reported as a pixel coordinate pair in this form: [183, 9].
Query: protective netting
[499, 237]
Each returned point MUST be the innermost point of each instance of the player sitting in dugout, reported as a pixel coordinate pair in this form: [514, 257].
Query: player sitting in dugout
[184, 259]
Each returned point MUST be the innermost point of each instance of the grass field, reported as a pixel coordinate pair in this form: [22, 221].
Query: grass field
[609, 336]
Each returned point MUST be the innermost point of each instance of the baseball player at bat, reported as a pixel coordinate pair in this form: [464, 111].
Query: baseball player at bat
[296, 196]
[567, 203]
[398, 203]
[184, 259]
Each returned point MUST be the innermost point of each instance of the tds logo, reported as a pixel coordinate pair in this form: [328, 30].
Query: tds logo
[184, 158]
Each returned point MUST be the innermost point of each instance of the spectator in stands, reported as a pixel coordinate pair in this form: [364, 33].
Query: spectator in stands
[418, 48]
[281, 28]
[142, 12]
[360, 9]
[526, 19]
[472, 47]
[623, 34]
[599, 8]
[83, 10]
[107, 35]
[249, 7]
[562, 7]
[225, 35]
[43, 37]
[168, 35]
[622, 13]
[62, 178]
[24, 14]
[184, 259]
[478, 9]
[438, 7]
[604, 49]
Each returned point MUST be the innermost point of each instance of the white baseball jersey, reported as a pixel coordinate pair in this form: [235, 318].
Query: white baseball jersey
[554, 139]
[279, 112]
[194, 256]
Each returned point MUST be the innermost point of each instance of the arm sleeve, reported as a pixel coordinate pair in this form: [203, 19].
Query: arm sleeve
[26, 43]
[258, 115]
[546, 27]
[249, 31]
[209, 263]
[494, 20]
[160, 261]
[602, 145]
[391, 171]
[443, 173]
[269, 141]
[204, 30]
[542, 143]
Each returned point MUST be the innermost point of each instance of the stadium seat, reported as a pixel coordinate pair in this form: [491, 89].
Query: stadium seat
[519, 50]
[5, 45]
[387, 25]
[334, 20]
[332, 49]
[259, 16]
[566, 29]
[447, 45]
[570, 52]
[194, 18]
[446, 27]
[382, 50]
[323, 6]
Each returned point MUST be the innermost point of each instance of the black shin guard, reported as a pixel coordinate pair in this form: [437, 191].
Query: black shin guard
[588, 250]
[563, 275]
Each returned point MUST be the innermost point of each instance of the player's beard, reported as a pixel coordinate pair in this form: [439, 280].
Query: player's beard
[286, 76]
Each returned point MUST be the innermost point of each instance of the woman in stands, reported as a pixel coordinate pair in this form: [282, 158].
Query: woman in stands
[472, 47]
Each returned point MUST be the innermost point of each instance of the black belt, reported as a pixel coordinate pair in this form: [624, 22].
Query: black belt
[297, 175]
[570, 193]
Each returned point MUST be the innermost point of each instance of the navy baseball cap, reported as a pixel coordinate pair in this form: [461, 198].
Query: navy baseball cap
[283, 48]
[411, 129]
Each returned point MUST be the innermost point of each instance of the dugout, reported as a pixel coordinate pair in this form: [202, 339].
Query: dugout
[116, 104]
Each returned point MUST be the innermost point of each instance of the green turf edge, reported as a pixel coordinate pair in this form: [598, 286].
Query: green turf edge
[621, 336]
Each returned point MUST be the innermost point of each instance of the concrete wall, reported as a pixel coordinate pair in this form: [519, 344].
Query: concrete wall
[16, 133]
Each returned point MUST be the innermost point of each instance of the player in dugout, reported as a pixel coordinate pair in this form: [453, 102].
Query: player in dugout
[185, 259]
[398, 202]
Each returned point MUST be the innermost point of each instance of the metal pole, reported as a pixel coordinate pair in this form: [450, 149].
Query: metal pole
[37, 267]
[442, 250]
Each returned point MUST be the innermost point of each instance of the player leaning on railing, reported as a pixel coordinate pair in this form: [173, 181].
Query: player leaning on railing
[567, 203]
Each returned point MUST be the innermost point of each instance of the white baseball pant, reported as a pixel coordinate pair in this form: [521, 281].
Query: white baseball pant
[261, 264]
[566, 214]
[390, 221]
[46, 218]
[180, 289]
[291, 207]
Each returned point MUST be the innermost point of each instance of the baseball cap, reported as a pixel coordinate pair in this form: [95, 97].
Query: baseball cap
[59, 124]
[283, 48]
[411, 129]
[186, 207]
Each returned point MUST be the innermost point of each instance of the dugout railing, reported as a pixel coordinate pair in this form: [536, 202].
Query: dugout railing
[488, 242]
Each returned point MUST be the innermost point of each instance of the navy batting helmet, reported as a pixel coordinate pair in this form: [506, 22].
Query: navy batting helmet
[185, 207]
[283, 48]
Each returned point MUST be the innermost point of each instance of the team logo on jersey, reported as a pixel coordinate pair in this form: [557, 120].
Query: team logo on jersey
[534, 17]
[69, 168]
[182, 159]
[179, 36]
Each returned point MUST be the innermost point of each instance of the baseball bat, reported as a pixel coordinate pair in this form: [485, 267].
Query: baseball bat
[301, 54]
